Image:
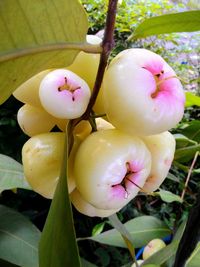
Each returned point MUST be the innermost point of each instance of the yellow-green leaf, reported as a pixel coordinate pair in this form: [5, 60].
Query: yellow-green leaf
[34, 36]
[187, 21]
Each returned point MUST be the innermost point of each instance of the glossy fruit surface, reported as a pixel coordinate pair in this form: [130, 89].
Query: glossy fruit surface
[42, 158]
[116, 169]
[86, 208]
[162, 148]
[63, 94]
[142, 94]
[28, 92]
[34, 120]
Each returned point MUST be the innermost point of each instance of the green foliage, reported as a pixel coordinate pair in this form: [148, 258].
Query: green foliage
[32, 34]
[58, 245]
[19, 238]
[11, 174]
[194, 259]
[142, 229]
[187, 21]
[167, 196]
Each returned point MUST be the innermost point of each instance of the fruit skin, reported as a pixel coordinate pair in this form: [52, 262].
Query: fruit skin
[162, 147]
[28, 92]
[86, 65]
[64, 94]
[152, 247]
[42, 159]
[113, 157]
[138, 99]
[33, 120]
[86, 208]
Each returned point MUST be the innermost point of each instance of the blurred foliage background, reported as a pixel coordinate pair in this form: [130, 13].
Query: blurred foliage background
[181, 51]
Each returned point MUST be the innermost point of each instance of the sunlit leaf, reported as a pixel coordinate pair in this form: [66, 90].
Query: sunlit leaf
[187, 21]
[33, 37]
[58, 245]
[11, 174]
[142, 229]
[18, 238]
[98, 228]
[192, 100]
[168, 196]
[194, 259]
[85, 263]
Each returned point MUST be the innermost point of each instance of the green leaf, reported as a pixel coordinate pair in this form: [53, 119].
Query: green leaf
[187, 153]
[183, 141]
[58, 245]
[34, 36]
[192, 130]
[194, 259]
[142, 229]
[192, 100]
[187, 21]
[121, 228]
[173, 178]
[11, 174]
[19, 238]
[98, 228]
[168, 196]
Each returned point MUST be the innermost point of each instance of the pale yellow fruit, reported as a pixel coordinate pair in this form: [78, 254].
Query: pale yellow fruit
[86, 64]
[162, 148]
[42, 159]
[116, 169]
[28, 92]
[152, 247]
[86, 208]
[34, 120]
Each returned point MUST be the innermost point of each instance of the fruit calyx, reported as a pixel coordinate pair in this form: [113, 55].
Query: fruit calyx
[68, 86]
[128, 178]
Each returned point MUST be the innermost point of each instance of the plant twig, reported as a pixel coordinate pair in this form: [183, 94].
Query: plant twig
[189, 174]
[107, 45]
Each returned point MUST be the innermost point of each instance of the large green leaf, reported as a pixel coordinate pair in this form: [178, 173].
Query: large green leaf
[187, 21]
[187, 153]
[168, 196]
[18, 238]
[11, 174]
[192, 130]
[142, 229]
[33, 37]
[194, 259]
[192, 100]
[58, 247]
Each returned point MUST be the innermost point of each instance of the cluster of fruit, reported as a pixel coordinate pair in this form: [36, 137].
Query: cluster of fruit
[131, 150]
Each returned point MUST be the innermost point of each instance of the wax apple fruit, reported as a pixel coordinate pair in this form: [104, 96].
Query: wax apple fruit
[34, 120]
[42, 157]
[86, 208]
[162, 148]
[142, 93]
[86, 65]
[28, 91]
[116, 169]
[63, 94]
[152, 247]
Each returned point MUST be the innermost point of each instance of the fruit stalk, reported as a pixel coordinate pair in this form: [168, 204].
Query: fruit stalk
[107, 45]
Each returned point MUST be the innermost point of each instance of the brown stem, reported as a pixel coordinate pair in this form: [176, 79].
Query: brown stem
[107, 45]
